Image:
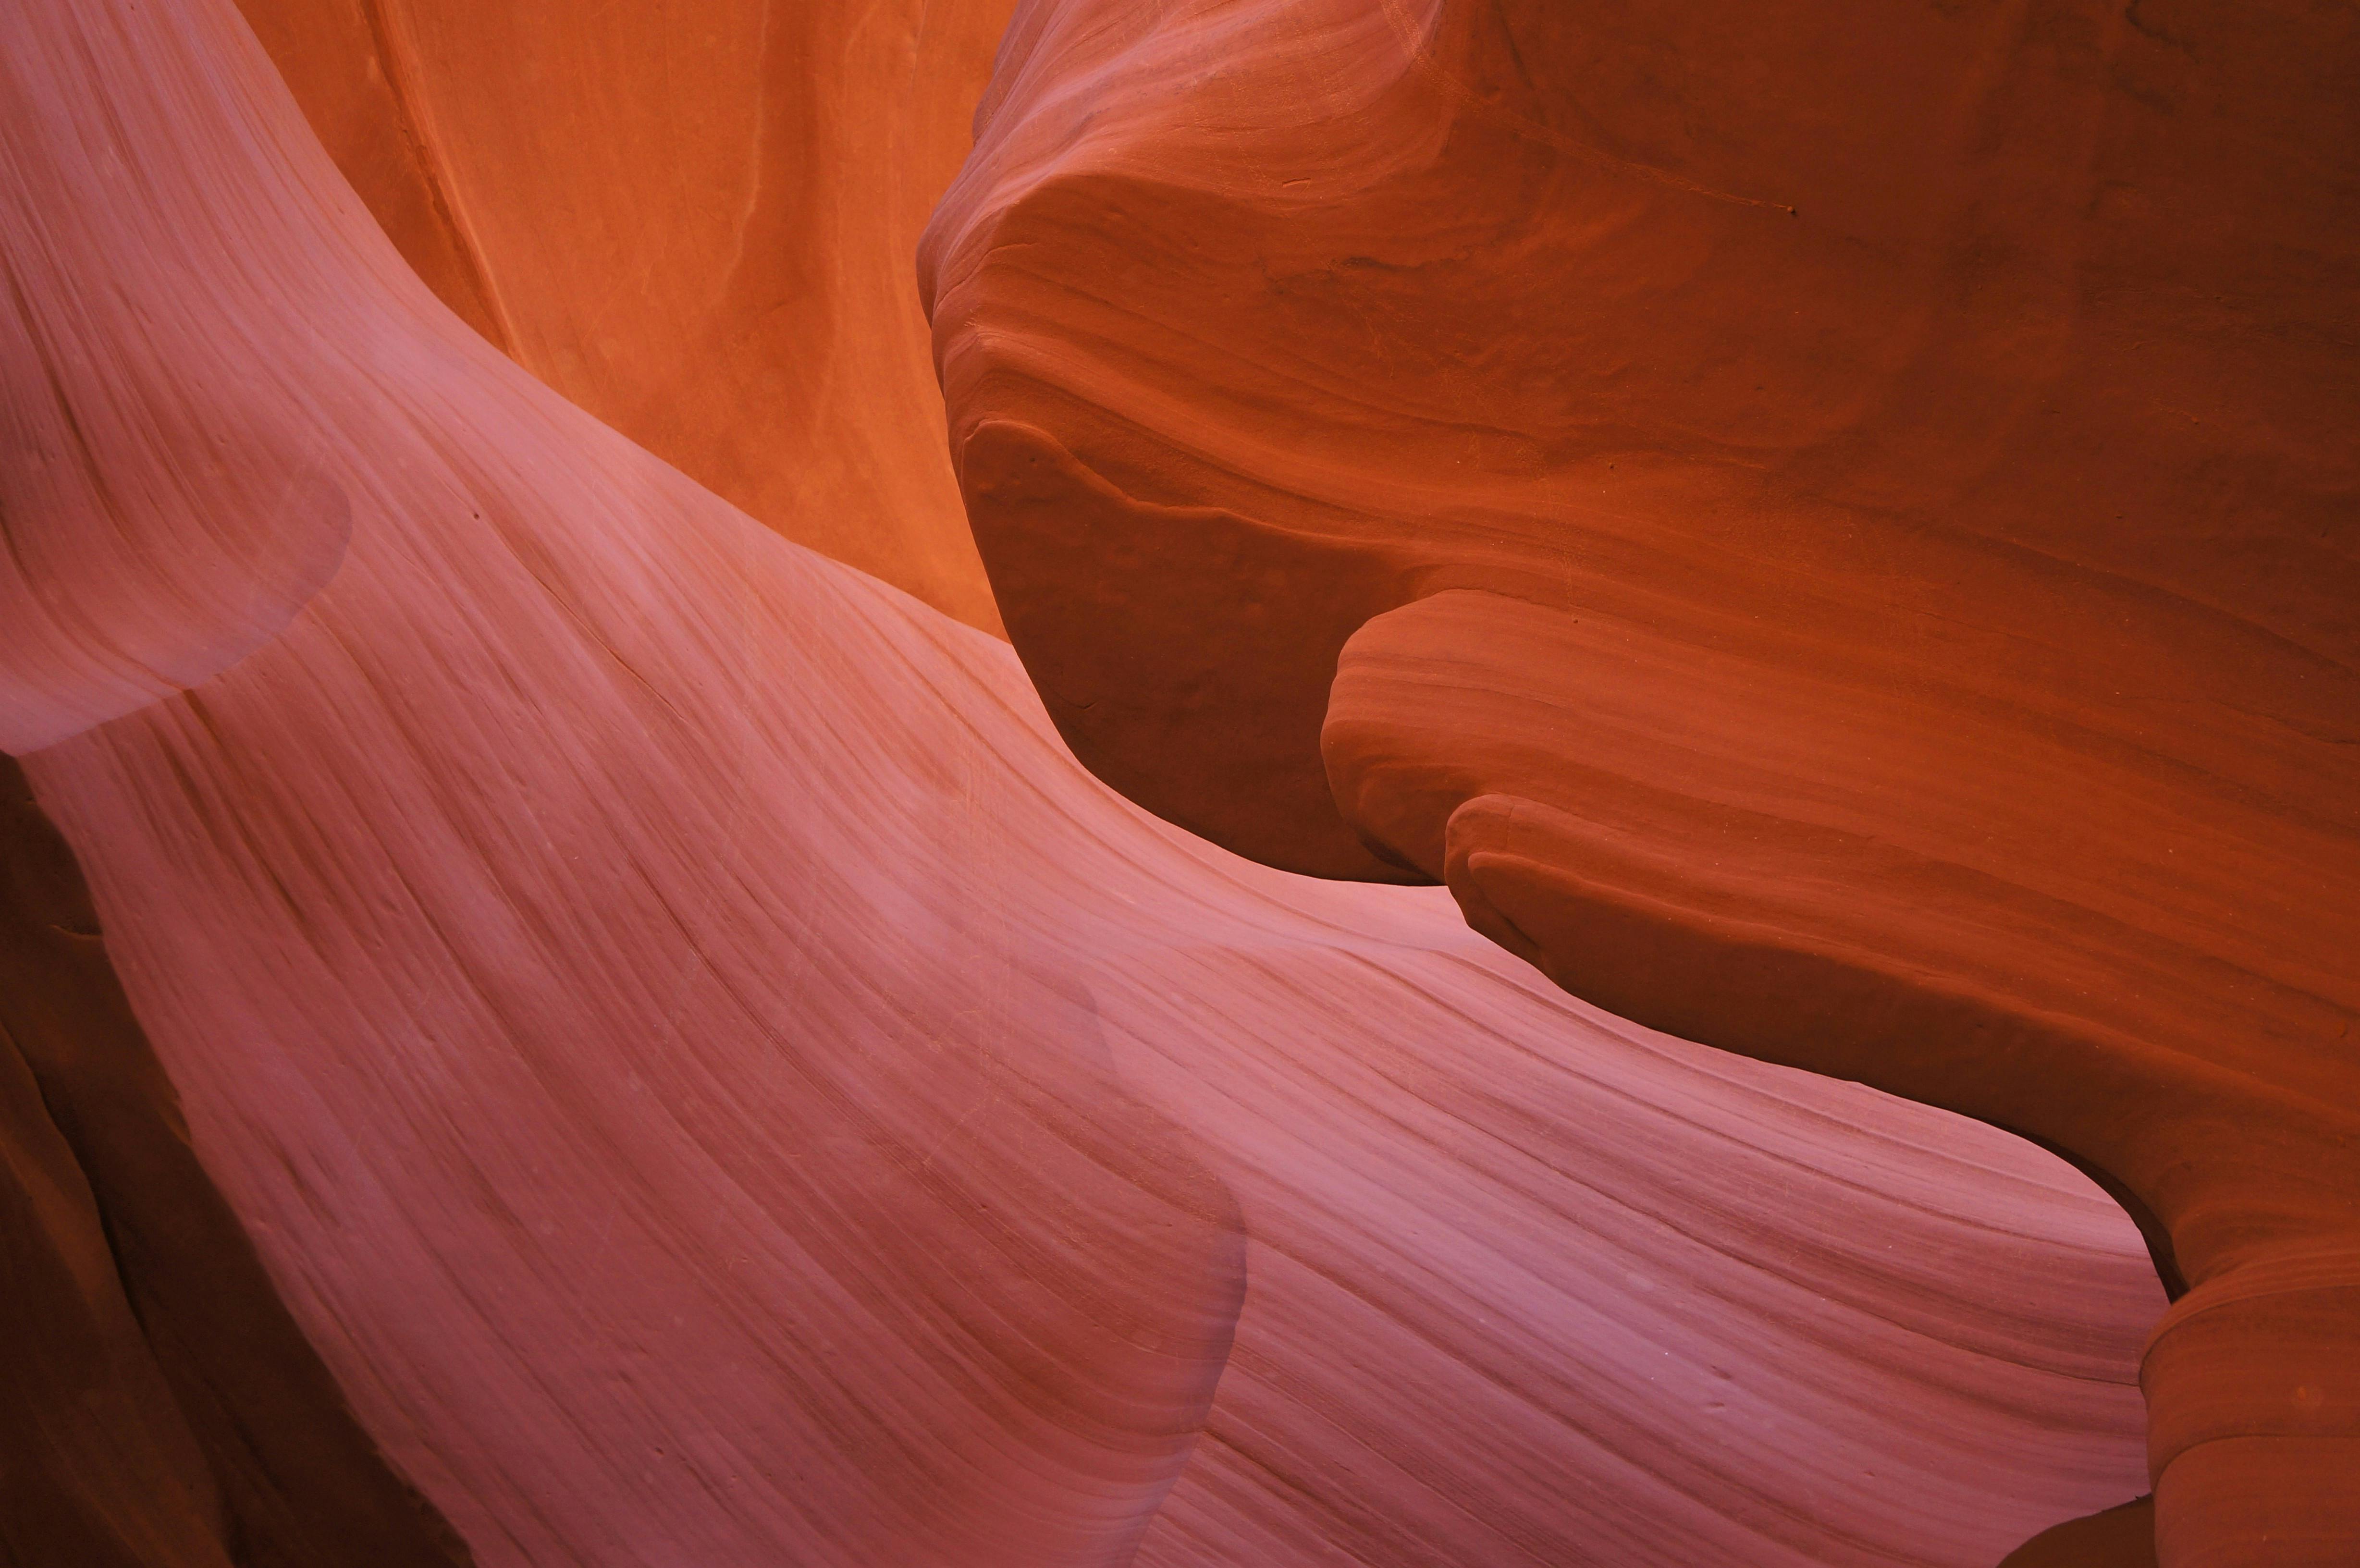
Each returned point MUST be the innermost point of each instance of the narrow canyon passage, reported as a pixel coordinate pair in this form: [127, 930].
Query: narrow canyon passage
[710, 1077]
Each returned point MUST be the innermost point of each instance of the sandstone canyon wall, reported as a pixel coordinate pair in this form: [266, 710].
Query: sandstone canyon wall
[695, 222]
[1831, 529]
[162, 1407]
[714, 1081]
[1828, 532]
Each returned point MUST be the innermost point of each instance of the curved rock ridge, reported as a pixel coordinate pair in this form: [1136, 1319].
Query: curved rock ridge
[698, 228]
[717, 1082]
[1833, 534]
[162, 1406]
[151, 541]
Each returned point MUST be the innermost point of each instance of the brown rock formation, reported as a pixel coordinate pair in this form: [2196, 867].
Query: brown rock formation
[2119, 1538]
[697, 226]
[1830, 529]
[719, 1084]
[160, 1406]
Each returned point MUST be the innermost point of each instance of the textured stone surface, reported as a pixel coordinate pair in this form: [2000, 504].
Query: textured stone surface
[717, 1082]
[160, 1406]
[1831, 529]
[697, 224]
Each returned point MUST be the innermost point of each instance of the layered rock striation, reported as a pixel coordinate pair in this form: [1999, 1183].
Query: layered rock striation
[698, 227]
[714, 1081]
[1830, 530]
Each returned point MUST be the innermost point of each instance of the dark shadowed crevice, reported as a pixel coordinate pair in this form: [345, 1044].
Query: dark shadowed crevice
[168, 1410]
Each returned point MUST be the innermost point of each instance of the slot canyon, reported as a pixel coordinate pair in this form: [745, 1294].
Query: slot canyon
[1195, 783]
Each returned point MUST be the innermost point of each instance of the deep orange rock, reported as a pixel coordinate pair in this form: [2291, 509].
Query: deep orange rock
[719, 1083]
[1837, 540]
[697, 227]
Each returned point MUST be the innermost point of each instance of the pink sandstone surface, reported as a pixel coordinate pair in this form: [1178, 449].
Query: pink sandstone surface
[716, 1081]
[1831, 528]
